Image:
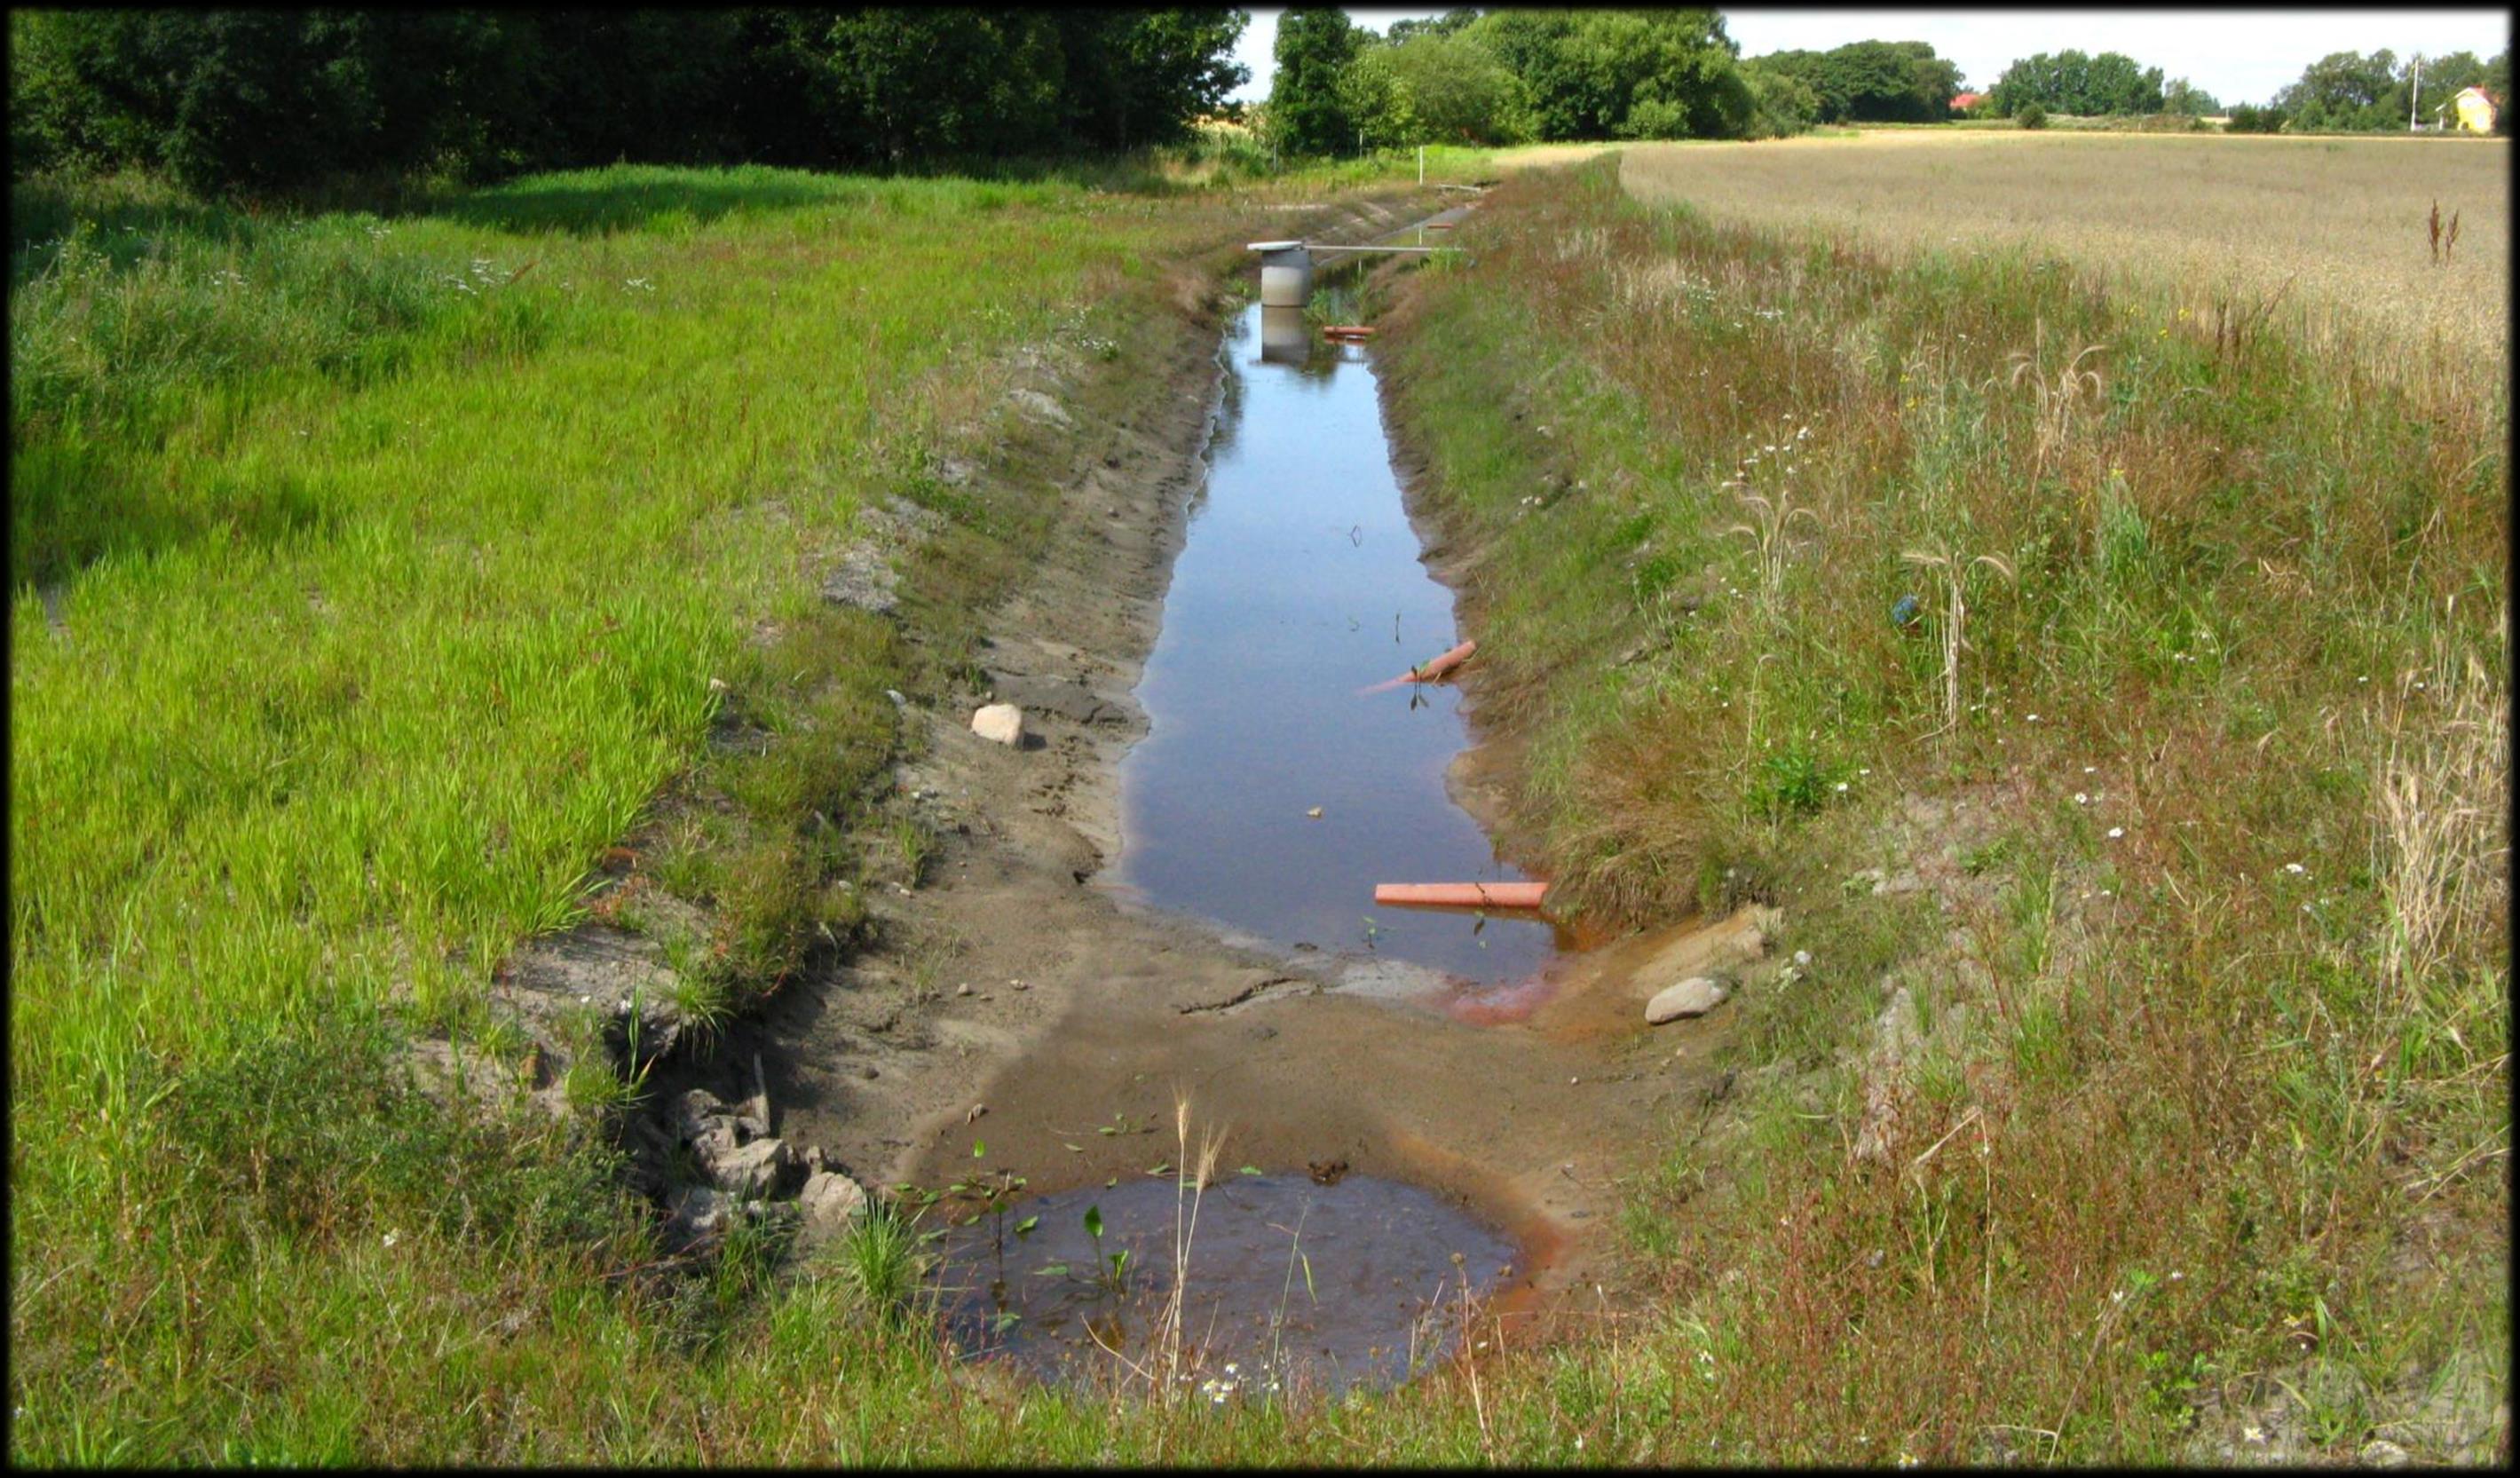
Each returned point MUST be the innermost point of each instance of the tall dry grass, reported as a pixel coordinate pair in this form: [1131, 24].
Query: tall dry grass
[2186, 1031]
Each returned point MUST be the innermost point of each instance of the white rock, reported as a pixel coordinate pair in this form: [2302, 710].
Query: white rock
[829, 1199]
[1000, 722]
[1694, 997]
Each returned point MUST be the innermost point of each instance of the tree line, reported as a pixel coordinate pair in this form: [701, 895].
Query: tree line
[256, 100]
[1508, 76]
[261, 100]
[2342, 92]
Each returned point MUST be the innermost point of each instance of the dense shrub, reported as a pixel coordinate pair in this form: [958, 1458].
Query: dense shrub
[2031, 116]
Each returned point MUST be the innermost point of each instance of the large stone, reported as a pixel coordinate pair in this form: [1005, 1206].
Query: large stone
[1694, 997]
[1000, 723]
[829, 1200]
[757, 1171]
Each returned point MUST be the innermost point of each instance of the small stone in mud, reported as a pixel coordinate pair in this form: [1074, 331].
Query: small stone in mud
[1694, 997]
[866, 1072]
[1000, 723]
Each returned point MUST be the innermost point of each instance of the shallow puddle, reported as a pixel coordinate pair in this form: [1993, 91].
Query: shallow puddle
[1291, 1284]
[1299, 589]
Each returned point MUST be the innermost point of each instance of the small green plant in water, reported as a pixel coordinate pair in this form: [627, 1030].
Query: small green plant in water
[1112, 1268]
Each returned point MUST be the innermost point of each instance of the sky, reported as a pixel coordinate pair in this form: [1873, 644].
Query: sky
[2239, 56]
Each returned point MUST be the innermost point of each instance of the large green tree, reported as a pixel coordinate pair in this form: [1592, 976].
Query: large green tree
[1785, 99]
[2348, 90]
[1863, 81]
[1141, 76]
[1307, 110]
[1430, 87]
[2070, 81]
[2185, 98]
[1619, 74]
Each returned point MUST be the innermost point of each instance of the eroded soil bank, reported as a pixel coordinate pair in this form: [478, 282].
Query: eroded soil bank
[1022, 1004]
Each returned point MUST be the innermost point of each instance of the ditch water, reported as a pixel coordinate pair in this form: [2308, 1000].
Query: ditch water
[1299, 589]
[1292, 1285]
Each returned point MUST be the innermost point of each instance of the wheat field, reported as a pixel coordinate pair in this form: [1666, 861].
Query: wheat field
[2343, 220]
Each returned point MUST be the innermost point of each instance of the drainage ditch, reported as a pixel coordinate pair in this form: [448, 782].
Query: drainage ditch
[1283, 774]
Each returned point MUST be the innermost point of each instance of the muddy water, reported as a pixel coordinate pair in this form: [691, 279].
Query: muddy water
[1291, 1284]
[1299, 589]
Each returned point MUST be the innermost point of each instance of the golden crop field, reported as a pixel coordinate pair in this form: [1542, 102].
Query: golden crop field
[2343, 219]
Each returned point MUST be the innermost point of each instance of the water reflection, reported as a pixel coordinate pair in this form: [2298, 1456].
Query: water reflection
[1272, 791]
[1284, 338]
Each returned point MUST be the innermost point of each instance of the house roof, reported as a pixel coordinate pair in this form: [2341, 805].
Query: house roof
[1967, 99]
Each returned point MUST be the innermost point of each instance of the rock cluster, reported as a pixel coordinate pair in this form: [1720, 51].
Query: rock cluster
[749, 1173]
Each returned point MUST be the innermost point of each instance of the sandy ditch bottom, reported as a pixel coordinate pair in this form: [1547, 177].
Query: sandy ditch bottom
[1022, 1009]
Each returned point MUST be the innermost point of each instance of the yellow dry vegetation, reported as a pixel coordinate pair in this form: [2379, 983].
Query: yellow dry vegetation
[1543, 156]
[2343, 220]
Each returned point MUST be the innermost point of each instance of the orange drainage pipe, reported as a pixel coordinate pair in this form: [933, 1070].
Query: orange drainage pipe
[1434, 669]
[1467, 895]
[1438, 666]
[1347, 330]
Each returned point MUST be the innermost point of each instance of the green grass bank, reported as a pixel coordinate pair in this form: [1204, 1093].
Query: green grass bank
[373, 575]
